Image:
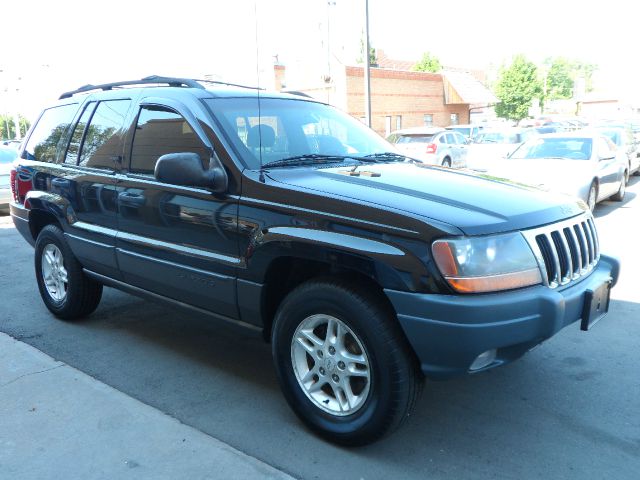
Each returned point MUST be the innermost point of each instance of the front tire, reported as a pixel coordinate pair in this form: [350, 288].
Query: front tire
[343, 363]
[66, 291]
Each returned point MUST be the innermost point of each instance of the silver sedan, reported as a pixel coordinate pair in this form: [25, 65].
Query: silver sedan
[583, 164]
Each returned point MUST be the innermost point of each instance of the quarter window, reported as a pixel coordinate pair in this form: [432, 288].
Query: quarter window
[103, 139]
[160, 131]
[48, 134]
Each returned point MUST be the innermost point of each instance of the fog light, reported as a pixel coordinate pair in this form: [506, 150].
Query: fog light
[483, 360]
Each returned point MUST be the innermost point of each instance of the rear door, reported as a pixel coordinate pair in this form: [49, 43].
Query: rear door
[92, 159]
[176, 241]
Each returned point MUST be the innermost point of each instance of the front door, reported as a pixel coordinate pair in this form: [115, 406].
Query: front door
[176, 241]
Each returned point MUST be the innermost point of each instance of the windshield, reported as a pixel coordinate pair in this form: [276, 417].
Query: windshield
[564, 148]
[7, 155]
[277, 129]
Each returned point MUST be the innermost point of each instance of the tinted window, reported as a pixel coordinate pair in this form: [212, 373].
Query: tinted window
[103, 138]
[48, 133]
[76, 137]
[159, 131]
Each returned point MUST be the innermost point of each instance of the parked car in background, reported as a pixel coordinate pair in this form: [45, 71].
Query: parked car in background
[492, 145]
[622, 137]
[432, 145]
[468, 131]
[583, 164]
[7, 156]
[11, 143]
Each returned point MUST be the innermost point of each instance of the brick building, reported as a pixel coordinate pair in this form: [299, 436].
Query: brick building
[399, 98]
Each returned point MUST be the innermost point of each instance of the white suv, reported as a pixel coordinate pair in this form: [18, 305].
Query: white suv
[432, 145]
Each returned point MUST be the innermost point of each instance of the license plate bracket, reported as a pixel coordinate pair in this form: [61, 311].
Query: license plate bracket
[596, 305]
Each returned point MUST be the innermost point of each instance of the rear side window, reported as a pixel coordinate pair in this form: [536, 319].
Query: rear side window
[78, 132]
[102, 142]
[160, 131]
[48, 134]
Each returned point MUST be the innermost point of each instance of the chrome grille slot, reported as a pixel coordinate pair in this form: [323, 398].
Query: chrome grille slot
[565, 251]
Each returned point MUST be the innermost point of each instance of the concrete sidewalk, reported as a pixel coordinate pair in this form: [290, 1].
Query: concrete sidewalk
[59, 423]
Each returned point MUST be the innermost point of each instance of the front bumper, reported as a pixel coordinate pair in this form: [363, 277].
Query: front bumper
[447, 332]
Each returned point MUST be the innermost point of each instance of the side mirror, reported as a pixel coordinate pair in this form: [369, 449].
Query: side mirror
[186, 169]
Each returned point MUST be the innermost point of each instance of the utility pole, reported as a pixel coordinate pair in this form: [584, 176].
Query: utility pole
[367, 68]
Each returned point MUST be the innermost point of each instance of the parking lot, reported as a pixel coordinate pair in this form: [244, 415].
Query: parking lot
[568, 409]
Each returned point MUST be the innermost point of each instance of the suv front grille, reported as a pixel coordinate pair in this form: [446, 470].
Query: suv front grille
[565, 251]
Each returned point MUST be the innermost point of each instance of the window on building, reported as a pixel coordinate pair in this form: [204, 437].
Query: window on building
[103, 138]
[160, 131]
[454, 119]
[387, 125]
[48, 133]
[428, 120]
[398, 122]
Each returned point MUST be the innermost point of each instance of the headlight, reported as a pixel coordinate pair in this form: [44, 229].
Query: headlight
[486, 264]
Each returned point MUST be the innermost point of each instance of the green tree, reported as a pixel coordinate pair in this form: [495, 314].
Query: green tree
[562, 74]
[8, 128]
[373, 56]
[516, 87]
[428, 63]
[560, 78]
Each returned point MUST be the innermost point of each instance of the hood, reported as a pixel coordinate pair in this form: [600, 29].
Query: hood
[473, 203]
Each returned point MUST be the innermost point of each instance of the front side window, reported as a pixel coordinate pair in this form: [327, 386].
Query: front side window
[48, 134]
[160, 131]
[103, 138]
[278, 129]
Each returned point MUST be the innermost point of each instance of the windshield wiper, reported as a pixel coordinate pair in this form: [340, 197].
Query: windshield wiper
[383, 156]
[306, 159]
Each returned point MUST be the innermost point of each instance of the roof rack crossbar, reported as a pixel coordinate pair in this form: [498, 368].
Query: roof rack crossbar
[153, 79]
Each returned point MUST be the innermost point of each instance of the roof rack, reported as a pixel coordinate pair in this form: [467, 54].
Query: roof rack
[153, 79]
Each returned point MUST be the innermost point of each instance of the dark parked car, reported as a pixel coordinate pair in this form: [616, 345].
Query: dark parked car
[290, 218]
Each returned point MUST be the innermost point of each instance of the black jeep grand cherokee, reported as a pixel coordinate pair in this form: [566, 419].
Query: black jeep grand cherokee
[364, 269]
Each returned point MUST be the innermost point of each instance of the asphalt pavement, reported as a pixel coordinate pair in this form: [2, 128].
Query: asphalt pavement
[567, 410]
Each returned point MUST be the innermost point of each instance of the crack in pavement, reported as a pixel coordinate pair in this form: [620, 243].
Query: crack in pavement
[31, 373]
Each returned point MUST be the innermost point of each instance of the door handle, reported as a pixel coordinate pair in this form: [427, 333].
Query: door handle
[60, 182]
[129, 199]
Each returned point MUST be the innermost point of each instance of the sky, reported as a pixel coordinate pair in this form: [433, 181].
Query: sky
[51, 47]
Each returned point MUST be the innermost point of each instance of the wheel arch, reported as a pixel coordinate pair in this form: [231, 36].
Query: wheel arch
[288, 262]
[44, 209]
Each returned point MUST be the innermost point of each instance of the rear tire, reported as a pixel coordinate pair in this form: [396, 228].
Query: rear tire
[343, 363]
[446, 162]
[66, 291]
